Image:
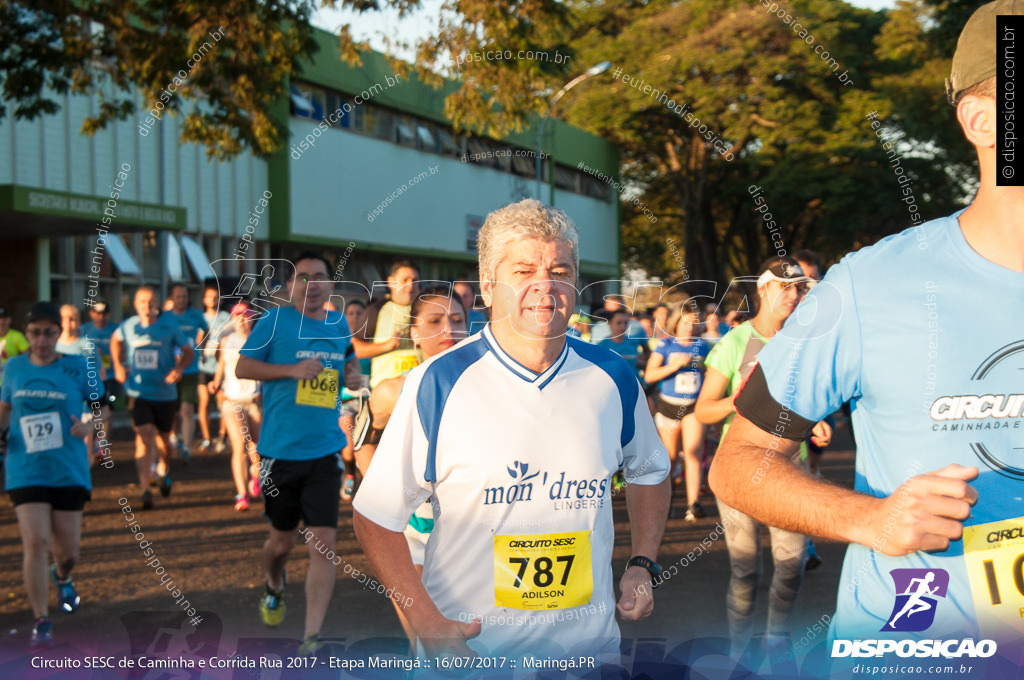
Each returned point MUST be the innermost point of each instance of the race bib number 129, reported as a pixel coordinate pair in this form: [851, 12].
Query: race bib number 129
[42, 432]
[543, 571]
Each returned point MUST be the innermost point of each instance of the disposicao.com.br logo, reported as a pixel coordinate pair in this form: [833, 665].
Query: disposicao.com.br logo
[917, 598]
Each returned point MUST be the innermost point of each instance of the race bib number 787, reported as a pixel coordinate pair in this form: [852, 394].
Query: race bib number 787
[543, 571]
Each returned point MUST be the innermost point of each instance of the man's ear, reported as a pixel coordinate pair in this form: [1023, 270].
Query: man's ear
[486, 289]
[977, 118]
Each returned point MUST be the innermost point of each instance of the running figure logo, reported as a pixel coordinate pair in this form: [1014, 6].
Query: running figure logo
[916, 593]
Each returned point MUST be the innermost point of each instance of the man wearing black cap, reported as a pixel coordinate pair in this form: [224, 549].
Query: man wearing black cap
[936, 400]
[12, 341]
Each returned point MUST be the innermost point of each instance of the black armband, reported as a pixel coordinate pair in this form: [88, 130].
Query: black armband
[756, 403]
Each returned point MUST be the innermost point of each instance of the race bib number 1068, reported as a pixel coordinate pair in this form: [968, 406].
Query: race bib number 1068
[321, 391]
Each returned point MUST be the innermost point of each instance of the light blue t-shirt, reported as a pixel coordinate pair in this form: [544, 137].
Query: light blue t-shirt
[685, 383]
[923, 335]
[628, 349]
[82, 347]
[41, 451]
[218, 325]
[476, 321]
[101, 336]
[301, 417]
[150, 355]
[191, 322]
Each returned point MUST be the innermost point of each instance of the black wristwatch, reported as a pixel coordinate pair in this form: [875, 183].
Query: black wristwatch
[648, 564]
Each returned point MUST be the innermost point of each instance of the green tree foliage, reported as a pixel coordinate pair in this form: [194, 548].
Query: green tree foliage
[795, 130]
[526, 57]
[118, 48]
[792, 127]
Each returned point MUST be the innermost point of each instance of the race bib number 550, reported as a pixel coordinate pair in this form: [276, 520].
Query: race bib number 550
[543, 571]
[146, 359]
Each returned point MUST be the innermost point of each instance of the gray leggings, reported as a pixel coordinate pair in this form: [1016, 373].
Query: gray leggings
[789, 553]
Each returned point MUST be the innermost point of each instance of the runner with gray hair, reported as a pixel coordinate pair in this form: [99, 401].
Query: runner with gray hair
[528, 218]
[557, 418]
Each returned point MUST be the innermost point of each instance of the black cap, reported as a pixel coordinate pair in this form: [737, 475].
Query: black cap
[4, 312]
[44, 310]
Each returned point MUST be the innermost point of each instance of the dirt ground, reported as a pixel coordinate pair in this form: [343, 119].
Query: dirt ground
[212, 553]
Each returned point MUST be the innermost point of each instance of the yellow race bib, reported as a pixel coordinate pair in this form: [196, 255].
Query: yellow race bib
[543, 571]
[321, 391]
[994, 554]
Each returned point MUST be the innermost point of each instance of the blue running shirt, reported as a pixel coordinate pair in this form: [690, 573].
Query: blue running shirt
[41, 451]
[685, 383]
[918, 332]
[301, 417]
[191, 322]
[101, 336]
[150, 353]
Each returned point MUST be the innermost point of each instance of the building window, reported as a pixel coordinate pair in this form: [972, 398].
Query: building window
[567, 179]
[319, 104]
[314, 103]
[300, 101]
[151, 253]
[379, 122]
[525, 166]
[333, 103]
[426, 138]
[447, 144]
[404, 132]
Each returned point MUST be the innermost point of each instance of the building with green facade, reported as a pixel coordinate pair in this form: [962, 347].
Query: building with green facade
[373, 173]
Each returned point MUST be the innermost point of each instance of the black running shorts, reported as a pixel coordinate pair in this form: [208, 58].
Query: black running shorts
[301, 489]
[69, 498]
[159, 413]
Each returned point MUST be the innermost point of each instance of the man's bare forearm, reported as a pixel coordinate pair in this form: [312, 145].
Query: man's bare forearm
[369, 350]
[762, 482]
[353, 378]
[116, 353]
[388, 554]
[187, 354]
[648, 508]
[254, 369]
[713, 411]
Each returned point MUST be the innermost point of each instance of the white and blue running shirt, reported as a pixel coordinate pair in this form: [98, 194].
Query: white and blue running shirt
[919, 332]
[519, 467]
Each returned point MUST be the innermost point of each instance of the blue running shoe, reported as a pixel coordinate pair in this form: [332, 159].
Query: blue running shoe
[42, 633]
[67, 596]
